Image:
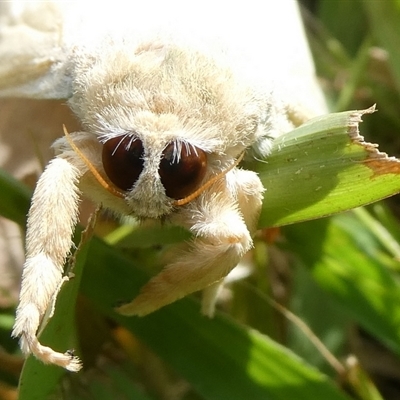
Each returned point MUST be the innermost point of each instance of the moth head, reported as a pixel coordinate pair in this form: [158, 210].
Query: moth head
[153, 181]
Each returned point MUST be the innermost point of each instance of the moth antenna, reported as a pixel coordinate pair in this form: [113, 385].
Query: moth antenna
[202, 188]
[91, 167]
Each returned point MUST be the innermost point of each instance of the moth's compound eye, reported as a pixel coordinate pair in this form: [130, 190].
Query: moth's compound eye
[181, 171]
[123, 160]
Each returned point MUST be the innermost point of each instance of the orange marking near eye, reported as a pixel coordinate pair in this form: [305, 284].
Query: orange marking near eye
[201, 189]
[92, 169]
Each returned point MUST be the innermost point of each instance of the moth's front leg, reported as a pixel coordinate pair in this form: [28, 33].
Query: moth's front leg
[221, 220]
[52, 218]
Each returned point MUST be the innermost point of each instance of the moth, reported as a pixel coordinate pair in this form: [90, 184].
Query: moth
[170, 96]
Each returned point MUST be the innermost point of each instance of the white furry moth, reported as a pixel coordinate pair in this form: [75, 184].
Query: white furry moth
[170, 95]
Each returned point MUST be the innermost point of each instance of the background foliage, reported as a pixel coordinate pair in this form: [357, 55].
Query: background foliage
[318, 317]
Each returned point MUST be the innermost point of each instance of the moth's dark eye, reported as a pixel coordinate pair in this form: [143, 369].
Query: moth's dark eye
[123, 160]
[182, 173]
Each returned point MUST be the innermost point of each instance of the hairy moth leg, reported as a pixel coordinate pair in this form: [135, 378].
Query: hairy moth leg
[218, 220]
[52, 218]
[248, 191]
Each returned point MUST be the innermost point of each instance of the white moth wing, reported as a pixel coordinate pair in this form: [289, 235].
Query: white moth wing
[41, 41]
[263, 42]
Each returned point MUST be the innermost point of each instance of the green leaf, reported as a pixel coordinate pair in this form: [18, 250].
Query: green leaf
[347, 262]
[220, 358]
[324, 167]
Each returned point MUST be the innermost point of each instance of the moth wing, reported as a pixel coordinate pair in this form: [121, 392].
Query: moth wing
[32, 53]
